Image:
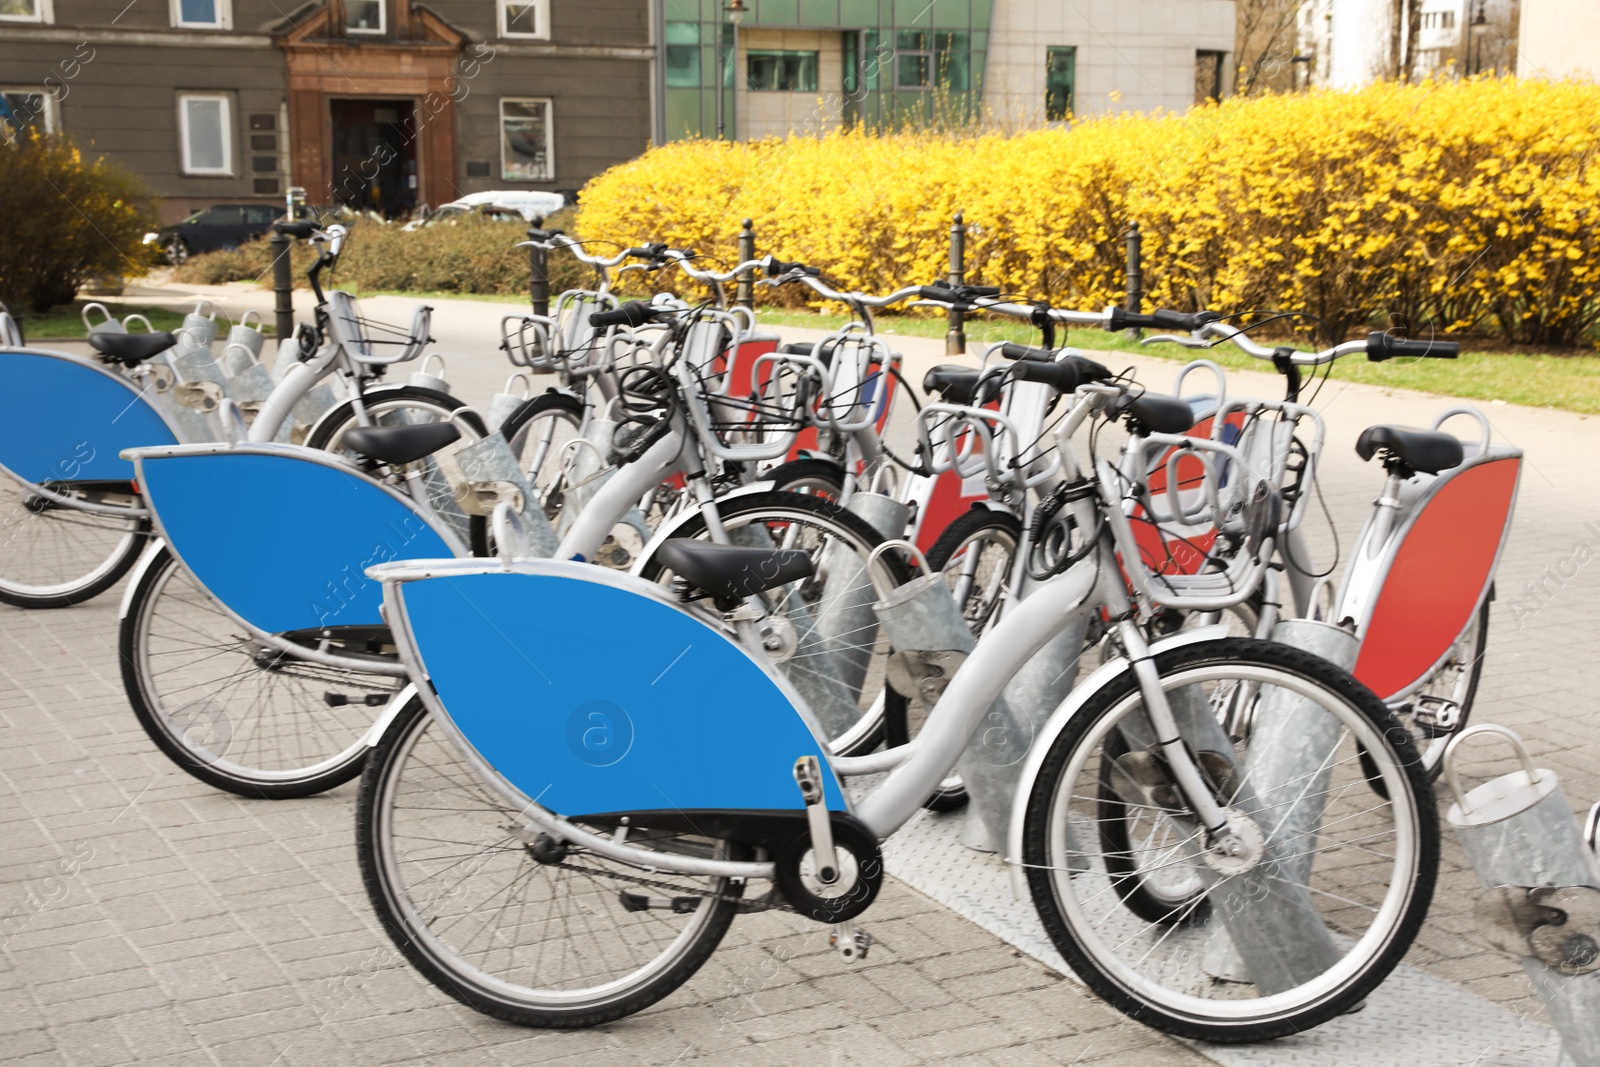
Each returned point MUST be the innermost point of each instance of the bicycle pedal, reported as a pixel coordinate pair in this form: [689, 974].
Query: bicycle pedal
[1437, 717]
[851, 943]
[644, 902]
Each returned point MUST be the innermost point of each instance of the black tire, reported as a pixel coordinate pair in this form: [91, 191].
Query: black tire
[776, 507]
[209, 696]
[1090, 927]
[818, 477]
[326, 434]
[540, 455]
[177, 252]
[55, 557]
[419, 780]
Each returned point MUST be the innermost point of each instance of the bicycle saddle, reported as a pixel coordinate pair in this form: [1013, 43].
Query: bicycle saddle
[1156, 413]
[803, 348]
[954, 383]
[733, 572]
[1428, 451]
[130, 349]
[400, 444]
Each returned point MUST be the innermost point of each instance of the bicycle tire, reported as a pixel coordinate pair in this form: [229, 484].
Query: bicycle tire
[847, 527]
[55, 557]
[543, 470]
[207, 712]
[463, 814]
[1172, 999]
[818, 477]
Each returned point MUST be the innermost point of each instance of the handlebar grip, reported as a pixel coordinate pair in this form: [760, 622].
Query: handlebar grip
[632, 313]
[937, 291]
[1381, 346]
[776, 267]
[980, 292]
[302, 228]
[1012, 350]
[1167, 319]
[1064, 377]
[1122, 319]
[536, 233]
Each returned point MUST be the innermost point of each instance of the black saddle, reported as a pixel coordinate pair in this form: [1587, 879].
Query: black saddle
[1428, 451]
[130, 349]
[803, 348]
[1157, 413]
[954, 383]
[733, 572]
[400, 444]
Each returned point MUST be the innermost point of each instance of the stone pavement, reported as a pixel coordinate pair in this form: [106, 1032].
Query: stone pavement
[150, 919]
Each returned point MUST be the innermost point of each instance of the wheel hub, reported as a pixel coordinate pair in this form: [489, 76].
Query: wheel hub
[1238, 847]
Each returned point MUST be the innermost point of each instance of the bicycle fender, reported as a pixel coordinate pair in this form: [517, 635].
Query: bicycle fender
[136, 576]
[1097, 680]
[390, 711]
[670, 529]
[64, 418]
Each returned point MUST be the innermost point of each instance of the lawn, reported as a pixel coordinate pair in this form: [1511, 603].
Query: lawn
[65, 321]
[1564, 380]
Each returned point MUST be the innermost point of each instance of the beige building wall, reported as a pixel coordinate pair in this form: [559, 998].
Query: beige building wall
[775, 114]
[1559, 38]
[1132, 55]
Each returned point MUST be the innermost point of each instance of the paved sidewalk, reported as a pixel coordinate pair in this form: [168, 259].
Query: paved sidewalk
[150, 919]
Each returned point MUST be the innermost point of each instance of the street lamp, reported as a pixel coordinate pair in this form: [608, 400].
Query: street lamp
[1479, 26]
[735, 13]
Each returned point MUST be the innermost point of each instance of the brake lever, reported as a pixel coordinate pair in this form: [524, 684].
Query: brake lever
[1168, 338]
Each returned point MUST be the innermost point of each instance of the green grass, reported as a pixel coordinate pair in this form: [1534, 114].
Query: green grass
[66, 320]
[1566, 380]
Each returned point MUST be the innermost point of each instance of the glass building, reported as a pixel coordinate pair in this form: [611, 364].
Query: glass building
[815, 65]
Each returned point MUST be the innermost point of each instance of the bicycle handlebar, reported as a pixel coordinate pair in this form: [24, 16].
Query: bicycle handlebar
[1378, 346]
[683, 258]
[1381, 346]
[302, 228]
[775, 267]
[1027, 353]
[1065, 376]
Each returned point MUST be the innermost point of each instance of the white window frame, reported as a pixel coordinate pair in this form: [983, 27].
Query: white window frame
[549, 133]
[541, 13]
[43, 12]
[383, 22]
[226, 170]
[51, 112]
[224, 21]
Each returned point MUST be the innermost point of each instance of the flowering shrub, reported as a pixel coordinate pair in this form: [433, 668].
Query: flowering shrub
[1440, 206]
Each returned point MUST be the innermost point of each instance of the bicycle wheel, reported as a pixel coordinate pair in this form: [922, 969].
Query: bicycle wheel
[513, 923]
[1352, 886]
[230, 710]
[1440, 707]
[840, 542]
[816, 477]
[53, 556]
[538, 433]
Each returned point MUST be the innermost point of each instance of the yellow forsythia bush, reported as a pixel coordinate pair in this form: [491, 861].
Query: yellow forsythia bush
[1440, 206]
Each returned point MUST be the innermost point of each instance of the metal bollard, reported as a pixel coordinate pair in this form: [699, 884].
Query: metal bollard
[1135, 277]
[538, 272]
[745, 289]
[282, 286]
[955, 338]
[992, 763]
[1270, 932]
[1541, 899]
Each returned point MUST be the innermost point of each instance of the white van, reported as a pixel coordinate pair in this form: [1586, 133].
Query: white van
[531, 204]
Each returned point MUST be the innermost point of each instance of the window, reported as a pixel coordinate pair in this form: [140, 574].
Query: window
[261, 214]
[925, 60]
[363, 16]
[1208, 70]
[26, 11]
[1060, 77]
[26, 109]
[525, 154]
[206, 134]
[781, 72]
[200, 14]
[526, 18]
[683, 55]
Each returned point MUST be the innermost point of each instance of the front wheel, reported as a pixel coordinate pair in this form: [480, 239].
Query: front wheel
[1295, 929]
[509, 921]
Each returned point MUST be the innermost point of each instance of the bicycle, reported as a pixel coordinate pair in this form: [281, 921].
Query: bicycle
[574, 863]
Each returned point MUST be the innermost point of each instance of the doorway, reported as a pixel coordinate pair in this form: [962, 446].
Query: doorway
[374, 156]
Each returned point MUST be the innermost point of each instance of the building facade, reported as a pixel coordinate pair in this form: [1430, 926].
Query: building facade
[381, 104]
[1351, 43]
[769, 67]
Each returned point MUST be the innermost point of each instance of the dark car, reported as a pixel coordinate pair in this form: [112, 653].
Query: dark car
[220, 226]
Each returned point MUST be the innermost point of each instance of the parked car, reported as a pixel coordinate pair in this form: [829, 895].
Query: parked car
[454, 212]
[219, 226]
[528, 203]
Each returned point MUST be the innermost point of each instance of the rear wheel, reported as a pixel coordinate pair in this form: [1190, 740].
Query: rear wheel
[54, 556]
[838, 652]
[233, 711]
[538, 433]
[509, 921]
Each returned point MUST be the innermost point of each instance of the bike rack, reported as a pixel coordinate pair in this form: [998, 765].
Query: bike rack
[1541, 888]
